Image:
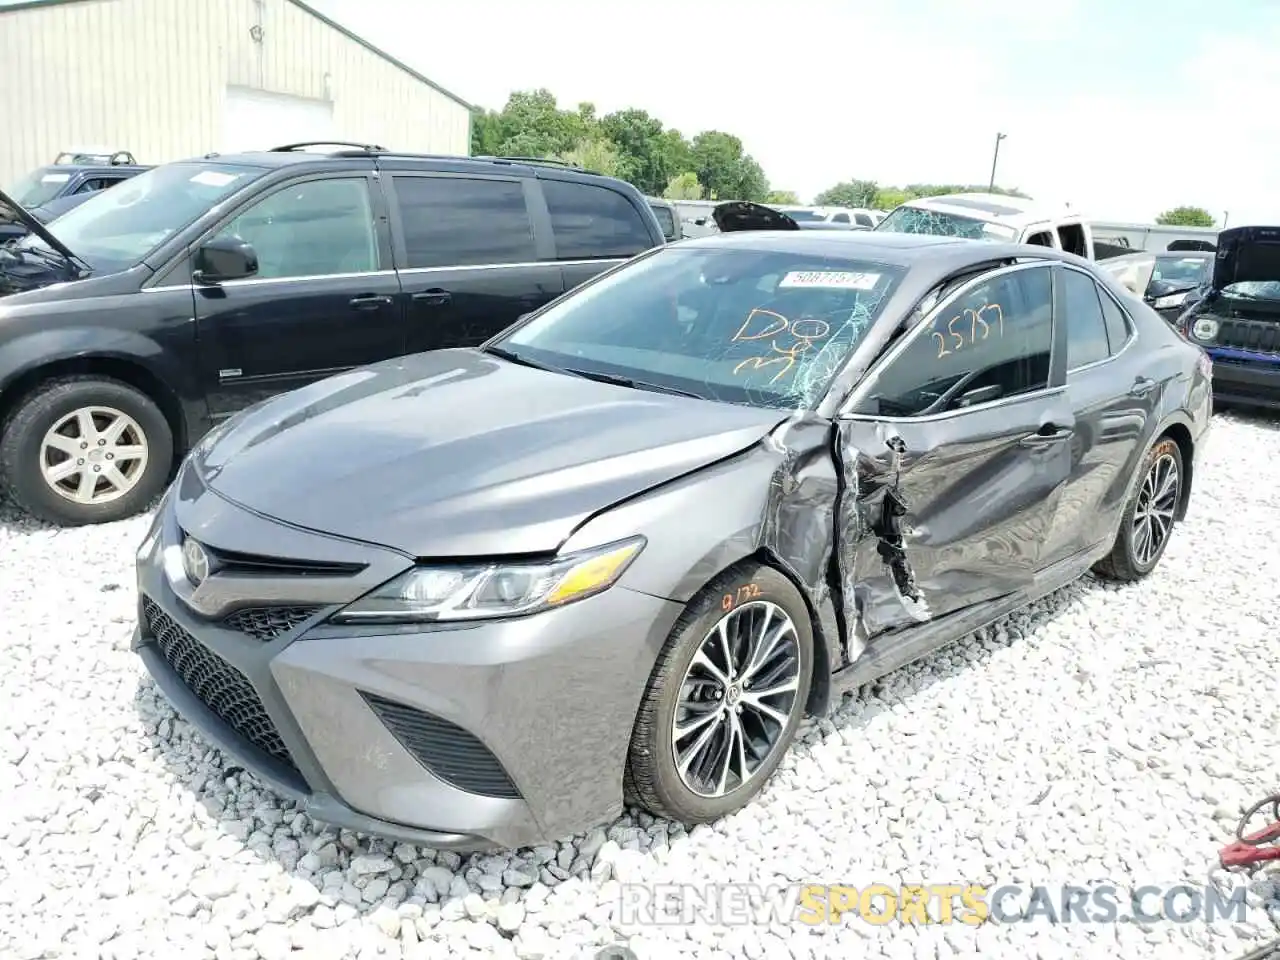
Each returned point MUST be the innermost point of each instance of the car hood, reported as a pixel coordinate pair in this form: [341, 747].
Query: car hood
[457, 453]
[1132, 271]
[1247, 255]
[13, 212]
[736, 215]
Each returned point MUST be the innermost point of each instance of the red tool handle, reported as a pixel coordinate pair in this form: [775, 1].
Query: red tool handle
[1242, 854]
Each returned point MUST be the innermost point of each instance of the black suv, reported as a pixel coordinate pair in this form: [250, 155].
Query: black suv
[156, 309]
[48, 192]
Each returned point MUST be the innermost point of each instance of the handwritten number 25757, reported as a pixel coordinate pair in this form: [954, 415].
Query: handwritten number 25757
[969, 327]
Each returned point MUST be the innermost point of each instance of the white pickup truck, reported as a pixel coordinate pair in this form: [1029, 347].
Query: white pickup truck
[993, 216]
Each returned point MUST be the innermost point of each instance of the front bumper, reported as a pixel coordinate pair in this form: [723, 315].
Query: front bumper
[460, 736]
[1240, 379]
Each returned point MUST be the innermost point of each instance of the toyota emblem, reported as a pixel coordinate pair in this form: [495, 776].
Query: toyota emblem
[195, 562]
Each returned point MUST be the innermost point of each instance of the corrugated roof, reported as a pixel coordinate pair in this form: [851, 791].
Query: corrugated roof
[9, 6]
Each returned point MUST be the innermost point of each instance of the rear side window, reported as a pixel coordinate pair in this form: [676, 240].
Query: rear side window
[863, 220]
[840, 218]
[591, 222]
[994, 342]
[1086, 326]
[464, 221]
[1117, 324]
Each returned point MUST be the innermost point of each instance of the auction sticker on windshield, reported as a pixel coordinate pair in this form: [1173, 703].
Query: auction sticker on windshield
[833, 279]
[212, 178]
[55, 178]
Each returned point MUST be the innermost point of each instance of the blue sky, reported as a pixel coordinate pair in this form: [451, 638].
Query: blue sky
[1121, 109]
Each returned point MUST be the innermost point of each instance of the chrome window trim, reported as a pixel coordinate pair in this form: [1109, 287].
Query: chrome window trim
[859, 392]
[248, 281]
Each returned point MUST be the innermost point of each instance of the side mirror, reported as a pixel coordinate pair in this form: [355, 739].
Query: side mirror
[979, 395]
[224, 259]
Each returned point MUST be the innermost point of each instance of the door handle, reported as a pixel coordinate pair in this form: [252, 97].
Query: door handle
[435, 297]
[1141, 387]
[1049, 433]
[370, 301]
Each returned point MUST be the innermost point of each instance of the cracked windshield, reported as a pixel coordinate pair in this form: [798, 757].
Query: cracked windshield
[762, 328]
[917, 220]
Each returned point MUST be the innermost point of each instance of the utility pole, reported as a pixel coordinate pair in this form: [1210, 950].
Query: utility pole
[1226, 215]
[994, 159]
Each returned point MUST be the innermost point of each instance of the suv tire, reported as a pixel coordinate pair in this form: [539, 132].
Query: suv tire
[46, 432]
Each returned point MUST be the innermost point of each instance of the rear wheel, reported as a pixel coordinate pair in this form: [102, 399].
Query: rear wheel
[725, 698]
[1148, 519]
[85, 450]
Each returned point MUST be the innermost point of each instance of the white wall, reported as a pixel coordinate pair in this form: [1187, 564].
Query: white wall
[151, 77]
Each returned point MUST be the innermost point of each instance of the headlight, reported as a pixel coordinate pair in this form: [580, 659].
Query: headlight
[1205, 328]
[481, 591]
[1170, 302]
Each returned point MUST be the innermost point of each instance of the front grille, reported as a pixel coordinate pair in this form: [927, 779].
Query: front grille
[220, 686]
[445, 749]
[1259, 336]
[267, 623]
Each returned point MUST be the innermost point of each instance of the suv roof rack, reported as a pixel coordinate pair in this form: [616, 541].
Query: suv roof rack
[548, 161]
[362, 147]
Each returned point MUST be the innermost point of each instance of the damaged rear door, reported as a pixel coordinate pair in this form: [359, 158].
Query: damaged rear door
[954, 451]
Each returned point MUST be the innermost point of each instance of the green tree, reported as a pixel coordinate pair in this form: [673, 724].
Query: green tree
[1186, 217]
[887, 198]
[683, 187]
[783, 198]
[724, 170]
[643, 154]
[596, 154]
[848, 193]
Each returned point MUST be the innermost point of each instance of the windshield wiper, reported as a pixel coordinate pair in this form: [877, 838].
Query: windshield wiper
[634, 384]
[521, 359]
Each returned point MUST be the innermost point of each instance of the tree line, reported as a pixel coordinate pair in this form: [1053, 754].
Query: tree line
[661, 161]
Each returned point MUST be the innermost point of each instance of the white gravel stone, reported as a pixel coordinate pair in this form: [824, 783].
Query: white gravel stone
[1108, 734]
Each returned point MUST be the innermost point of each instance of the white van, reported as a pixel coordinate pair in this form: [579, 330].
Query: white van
[993, 216]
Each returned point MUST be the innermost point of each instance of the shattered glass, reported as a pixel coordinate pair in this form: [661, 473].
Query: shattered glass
[937, 223]
[760, 327]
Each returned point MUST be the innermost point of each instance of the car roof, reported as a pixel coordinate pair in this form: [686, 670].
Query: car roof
[276, 159]
[903, 249]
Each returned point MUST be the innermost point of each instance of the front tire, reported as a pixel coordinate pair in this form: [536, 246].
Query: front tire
[1148, 520]
[83, 450]
[725, 698]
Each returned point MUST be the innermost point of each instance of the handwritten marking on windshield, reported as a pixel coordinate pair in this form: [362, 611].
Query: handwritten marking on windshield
[964, 328]
[804, 331]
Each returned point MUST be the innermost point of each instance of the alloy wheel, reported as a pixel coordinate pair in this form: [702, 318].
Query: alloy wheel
[1154, 510]
[93, 455]
[736, 699]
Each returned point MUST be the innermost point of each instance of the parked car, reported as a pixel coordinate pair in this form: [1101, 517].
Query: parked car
[1176, 282]
[1236, 317]
[51, 191]
[668, 218]
[992, 216]
[155, 309]
[479, 596]
[858, 217]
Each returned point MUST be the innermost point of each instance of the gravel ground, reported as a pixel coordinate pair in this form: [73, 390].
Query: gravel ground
[1107, 734]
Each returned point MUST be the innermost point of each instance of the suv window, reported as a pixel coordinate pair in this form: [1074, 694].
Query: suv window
[1086, 327]
[464, 221]
[1117, 323]
[310, 229]
[863, 220]
[840, 218]
[997, 338]
[591, 222]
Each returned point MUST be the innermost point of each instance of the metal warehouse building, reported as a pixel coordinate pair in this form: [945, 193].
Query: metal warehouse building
[168, 79]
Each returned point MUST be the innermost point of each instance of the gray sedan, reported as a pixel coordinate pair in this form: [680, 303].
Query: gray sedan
[479, 597]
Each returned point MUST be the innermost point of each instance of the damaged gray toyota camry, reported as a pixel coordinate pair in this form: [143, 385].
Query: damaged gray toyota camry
[483, 597]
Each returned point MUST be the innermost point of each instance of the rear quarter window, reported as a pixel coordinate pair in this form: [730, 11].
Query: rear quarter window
[591, 222]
